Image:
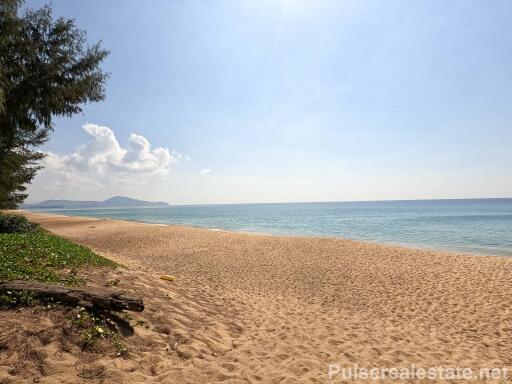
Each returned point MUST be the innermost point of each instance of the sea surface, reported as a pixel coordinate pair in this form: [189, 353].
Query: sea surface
[482, 226]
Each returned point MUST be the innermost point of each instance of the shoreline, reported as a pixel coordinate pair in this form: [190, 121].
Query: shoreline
[249, 308]
[418, 247]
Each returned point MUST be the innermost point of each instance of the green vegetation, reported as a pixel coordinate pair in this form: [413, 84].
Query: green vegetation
[16, 224]
[96, 327]
[13, 299]
[47, 69]
[44, 257]
[27, 252]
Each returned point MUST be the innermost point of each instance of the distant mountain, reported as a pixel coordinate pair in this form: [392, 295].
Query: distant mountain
[113, 202]
[121, 201]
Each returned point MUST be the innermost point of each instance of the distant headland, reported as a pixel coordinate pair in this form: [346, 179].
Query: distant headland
[113, 202]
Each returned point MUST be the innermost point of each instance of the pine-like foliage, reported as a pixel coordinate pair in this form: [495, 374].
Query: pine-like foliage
[46, 70]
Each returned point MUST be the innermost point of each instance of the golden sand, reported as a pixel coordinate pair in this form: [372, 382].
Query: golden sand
[266, 309]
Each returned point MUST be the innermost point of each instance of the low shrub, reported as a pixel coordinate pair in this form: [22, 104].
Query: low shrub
[16, 224]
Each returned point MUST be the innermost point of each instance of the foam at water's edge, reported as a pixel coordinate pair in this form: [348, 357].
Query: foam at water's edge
[469, 226]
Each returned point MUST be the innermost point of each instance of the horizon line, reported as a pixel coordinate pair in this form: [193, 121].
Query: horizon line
[282, 202]
[351, 201]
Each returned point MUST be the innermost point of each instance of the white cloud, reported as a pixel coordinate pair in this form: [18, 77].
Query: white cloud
[102, 162]
[205, 171]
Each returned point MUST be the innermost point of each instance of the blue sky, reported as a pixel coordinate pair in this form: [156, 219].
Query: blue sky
[299, 100]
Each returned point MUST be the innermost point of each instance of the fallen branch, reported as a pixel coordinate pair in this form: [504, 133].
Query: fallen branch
[89, 298]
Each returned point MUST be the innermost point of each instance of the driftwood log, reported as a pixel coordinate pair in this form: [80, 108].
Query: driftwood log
[90, 298]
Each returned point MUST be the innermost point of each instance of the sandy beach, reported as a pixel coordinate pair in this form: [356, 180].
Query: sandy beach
[266, 309]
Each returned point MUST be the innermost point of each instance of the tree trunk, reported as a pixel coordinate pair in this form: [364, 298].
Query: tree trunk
[90, 298]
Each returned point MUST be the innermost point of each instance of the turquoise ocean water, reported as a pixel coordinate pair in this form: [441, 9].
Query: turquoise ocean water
[482, 226]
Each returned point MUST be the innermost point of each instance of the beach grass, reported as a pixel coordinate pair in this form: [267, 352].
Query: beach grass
[44, 257]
